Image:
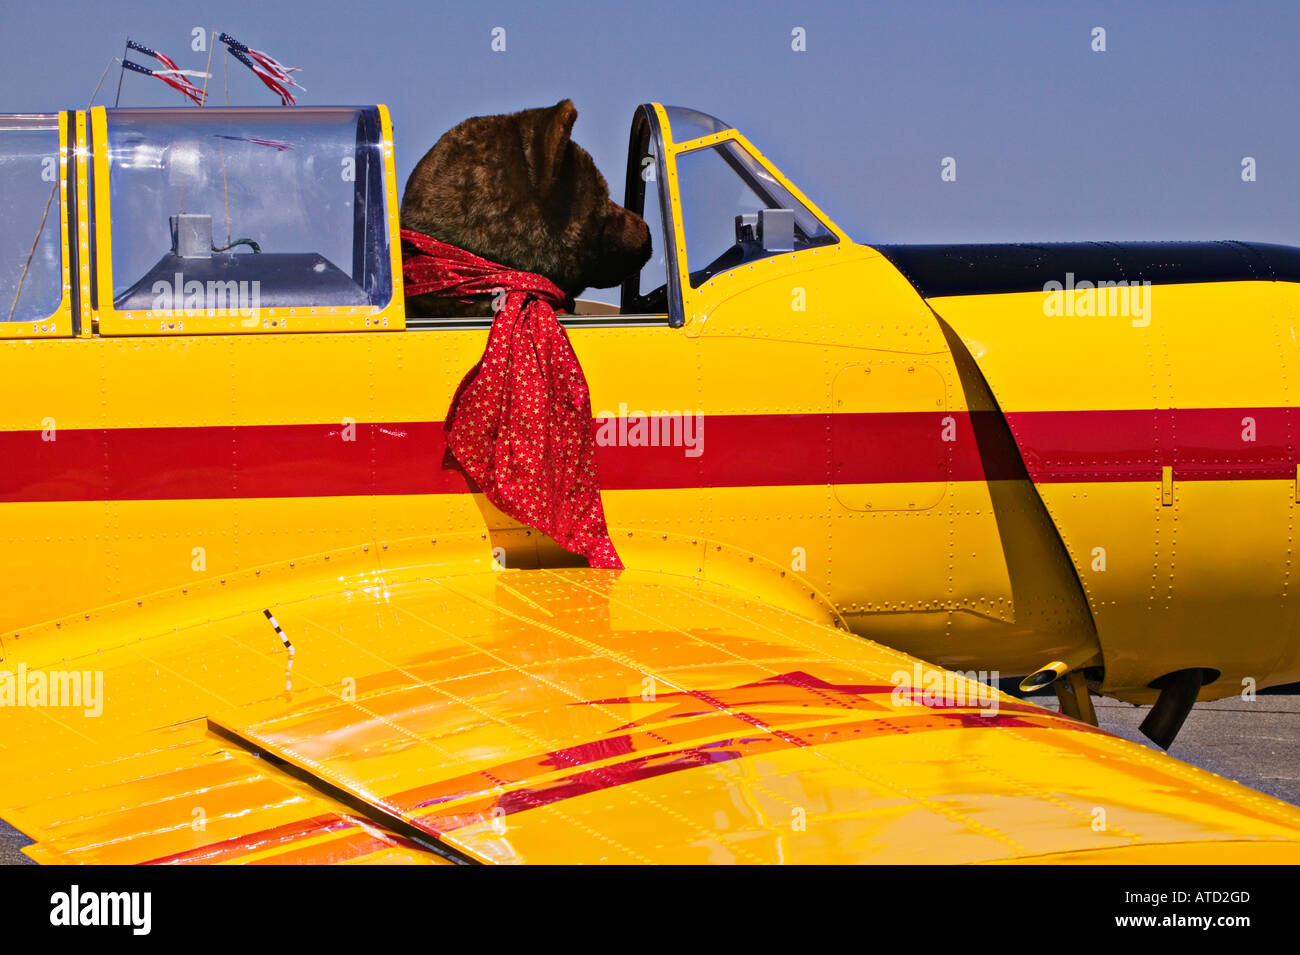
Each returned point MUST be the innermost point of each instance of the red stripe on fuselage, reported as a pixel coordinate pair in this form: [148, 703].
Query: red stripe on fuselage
[1200, 444]
[326, 460]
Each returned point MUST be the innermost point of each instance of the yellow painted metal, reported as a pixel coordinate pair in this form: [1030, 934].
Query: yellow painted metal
[891, 386]
[59, 322]
[1109, 362]
[396, 309]
[568, 716]
[180, 322]
[1209, 560]
[84, 277]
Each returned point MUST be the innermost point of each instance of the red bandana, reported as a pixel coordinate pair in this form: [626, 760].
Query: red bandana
[520, 424]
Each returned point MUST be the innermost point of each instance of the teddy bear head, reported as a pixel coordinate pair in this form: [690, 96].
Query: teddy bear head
[515, 189]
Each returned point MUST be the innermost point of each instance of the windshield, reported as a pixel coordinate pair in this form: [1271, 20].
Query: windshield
[723, 191]
[290, 199]
[31, 247]
[687, 124]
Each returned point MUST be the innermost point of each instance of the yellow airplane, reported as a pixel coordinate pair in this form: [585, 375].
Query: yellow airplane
[250, 618]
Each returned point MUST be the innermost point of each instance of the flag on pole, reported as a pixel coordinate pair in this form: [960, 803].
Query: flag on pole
[277, 77]
[171, 74]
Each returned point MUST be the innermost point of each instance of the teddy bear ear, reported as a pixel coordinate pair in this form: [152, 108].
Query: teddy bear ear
[550, 142]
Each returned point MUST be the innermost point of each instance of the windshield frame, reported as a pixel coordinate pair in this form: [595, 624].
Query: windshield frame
[646, 129]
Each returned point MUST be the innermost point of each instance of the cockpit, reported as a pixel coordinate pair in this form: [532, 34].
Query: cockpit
[238, 220]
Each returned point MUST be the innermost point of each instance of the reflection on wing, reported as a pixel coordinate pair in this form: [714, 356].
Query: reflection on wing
[576, 716]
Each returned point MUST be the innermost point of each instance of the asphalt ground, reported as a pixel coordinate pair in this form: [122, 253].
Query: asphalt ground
[1255, 742]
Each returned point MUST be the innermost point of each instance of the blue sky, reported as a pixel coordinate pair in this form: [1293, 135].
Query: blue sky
[1053, 141]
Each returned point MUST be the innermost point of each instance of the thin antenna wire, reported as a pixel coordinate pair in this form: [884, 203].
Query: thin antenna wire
[102, 76]
[30, 255]
[126, 48]
[207, 70]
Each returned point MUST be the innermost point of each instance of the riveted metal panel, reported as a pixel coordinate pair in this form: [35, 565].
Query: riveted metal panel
[887, 418]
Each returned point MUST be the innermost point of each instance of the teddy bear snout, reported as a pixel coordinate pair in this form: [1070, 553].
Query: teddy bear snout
[625, 247]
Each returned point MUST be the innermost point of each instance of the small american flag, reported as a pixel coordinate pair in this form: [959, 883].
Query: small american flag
[172, 74]
[267, 68]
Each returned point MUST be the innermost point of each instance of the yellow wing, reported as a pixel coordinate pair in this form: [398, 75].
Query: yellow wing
[567, 716]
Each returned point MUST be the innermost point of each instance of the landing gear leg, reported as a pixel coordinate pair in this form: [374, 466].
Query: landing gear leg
[1072, 692]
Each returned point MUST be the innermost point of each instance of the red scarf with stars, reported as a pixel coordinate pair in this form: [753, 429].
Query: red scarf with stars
[520, 424]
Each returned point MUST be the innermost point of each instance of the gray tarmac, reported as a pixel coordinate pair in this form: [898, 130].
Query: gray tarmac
[1256, 743]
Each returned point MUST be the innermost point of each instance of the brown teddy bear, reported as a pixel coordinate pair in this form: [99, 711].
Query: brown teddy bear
[516, 190]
